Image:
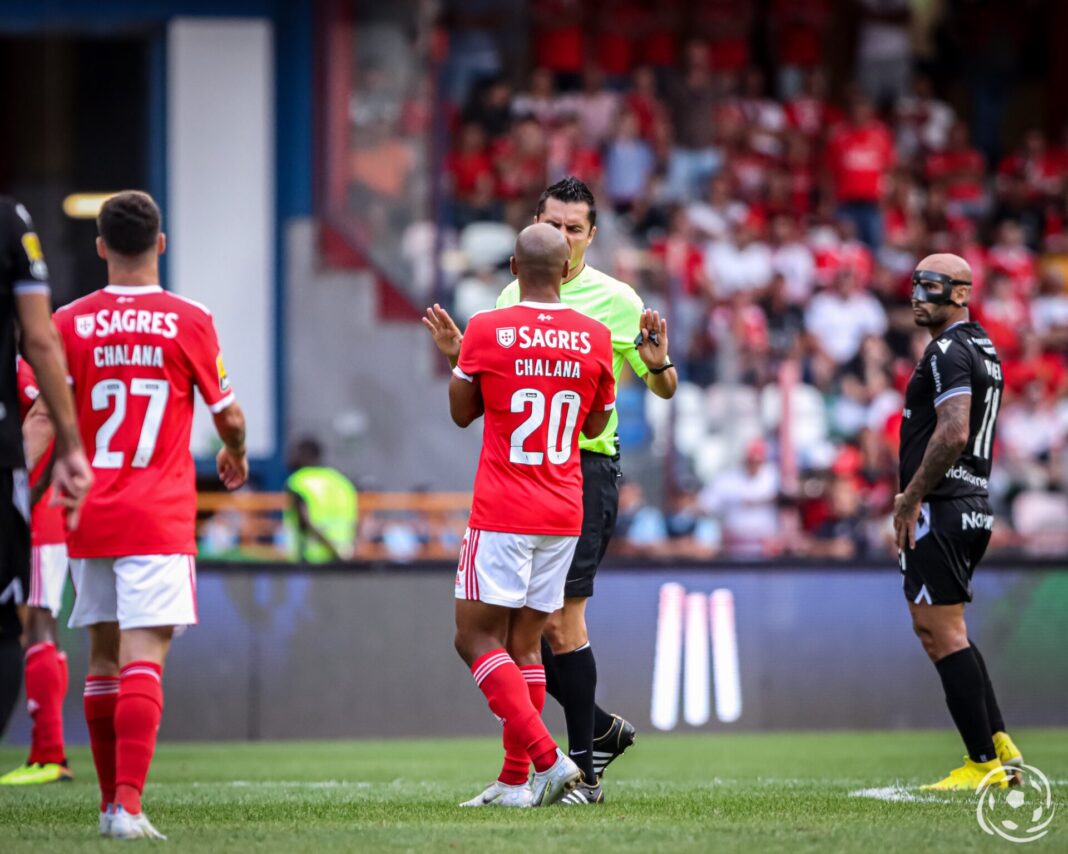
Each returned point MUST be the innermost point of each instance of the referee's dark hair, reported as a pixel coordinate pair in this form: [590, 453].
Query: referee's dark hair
[569, 189]
[129, 222]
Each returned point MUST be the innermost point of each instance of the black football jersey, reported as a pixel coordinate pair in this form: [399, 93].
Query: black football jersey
[962, 360]
[22, 270]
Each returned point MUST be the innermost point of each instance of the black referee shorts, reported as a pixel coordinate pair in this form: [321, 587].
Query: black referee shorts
[600, 504]
[14, 548]
[951, 539]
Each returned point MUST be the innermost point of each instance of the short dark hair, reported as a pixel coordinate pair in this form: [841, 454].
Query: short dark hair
[129, 222]
[569, 189]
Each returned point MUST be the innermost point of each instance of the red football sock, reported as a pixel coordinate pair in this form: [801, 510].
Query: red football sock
[516, 761]
[137, 716]
[509, 699]
[44, 697]
[64, 671]
[101, 696]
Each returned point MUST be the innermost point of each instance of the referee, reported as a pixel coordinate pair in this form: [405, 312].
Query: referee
[942, 517]
[25, 303]
[639, 338]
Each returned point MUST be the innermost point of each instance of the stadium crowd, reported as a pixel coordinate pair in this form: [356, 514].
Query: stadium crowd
[777, 225]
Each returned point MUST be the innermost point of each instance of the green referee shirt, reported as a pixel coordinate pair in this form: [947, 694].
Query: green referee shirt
[618, 307]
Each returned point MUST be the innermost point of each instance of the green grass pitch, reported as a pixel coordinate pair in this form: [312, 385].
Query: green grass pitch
[721, 793]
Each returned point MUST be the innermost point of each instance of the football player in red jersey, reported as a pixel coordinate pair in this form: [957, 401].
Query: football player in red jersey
[46, 666]
[136, 353]
[540, 372]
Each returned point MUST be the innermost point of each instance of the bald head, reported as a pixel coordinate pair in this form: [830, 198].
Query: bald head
[541, 257]
[950, 265]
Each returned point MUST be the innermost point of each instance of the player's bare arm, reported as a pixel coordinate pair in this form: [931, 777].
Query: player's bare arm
[596, 423]
[42, 348]
[465, 401]
[653, 351]
[446, 333]
[232, 459]
[37, 433]
[947, 443]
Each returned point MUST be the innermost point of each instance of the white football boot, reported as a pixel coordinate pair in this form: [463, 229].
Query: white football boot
[105, 820]
[552, 784]
[127, 826]
[498, 794]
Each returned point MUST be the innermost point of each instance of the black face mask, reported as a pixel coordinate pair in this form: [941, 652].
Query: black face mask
[923, 279]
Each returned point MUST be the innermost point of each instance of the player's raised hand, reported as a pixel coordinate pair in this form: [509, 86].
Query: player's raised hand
[72, 477]
[653, 347]
[232, 467]
[446, 333]
[906, 517]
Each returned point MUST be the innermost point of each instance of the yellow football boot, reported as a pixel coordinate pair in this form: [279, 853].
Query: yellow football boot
[1009, 754]
[968, 777]
[37, 774]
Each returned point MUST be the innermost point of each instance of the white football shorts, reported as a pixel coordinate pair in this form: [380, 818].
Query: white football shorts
[48, 575]
[513, 570]
[137, 592]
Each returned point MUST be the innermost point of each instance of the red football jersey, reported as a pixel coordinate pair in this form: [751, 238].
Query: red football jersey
[46, 524]
[135, 354]
[541, 368]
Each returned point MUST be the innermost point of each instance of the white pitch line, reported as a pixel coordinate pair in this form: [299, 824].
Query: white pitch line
[895, 794]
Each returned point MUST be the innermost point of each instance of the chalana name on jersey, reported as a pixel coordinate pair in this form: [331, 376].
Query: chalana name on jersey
[547, 368]
[114, 355]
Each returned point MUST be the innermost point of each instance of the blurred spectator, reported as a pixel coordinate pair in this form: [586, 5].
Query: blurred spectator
[858, 156]
[692, 101]
[321, 522]
[628, 164]
[792, 260]
[838, 318]
[569, 154]
[540, 101]
[883, 52]
[741, 262]
[595, 106]
[558, 39]
[745, 500]
[640, 528]
[1011, 257]
[473, 181]
[798, 31]
[958, 170]
[1049, 311]
[922, 120]
[810, 111]
[724, 26]
[715, 217]
[691, 534]
[842, 535]
[491, 108]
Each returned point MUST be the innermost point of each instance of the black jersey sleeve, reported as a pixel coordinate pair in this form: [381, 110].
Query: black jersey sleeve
[28, 271]
[950, 363]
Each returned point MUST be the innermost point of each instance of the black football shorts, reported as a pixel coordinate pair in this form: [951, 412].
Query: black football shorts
[951, 539]
[600, 504]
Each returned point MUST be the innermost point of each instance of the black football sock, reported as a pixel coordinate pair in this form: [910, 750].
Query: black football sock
[576, 674]
[962, 679]
[11, 660]
[602, 722]
[552, 681]
[993, 710]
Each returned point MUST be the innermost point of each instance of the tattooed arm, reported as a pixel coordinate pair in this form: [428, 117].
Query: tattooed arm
[944, 448]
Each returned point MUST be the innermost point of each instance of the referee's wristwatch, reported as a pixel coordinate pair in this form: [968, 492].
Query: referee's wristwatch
[662, 368]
